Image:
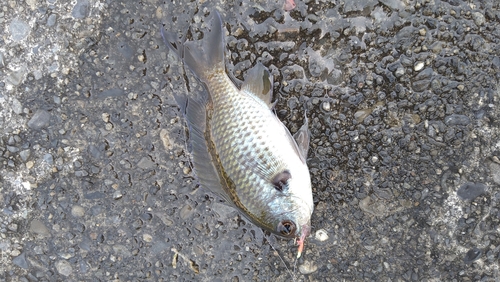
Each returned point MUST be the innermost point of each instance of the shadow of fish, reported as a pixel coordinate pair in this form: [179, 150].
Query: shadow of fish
[240, 149]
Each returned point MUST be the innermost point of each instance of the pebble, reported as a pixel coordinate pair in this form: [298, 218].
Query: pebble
[51, 20]
[64, 267]
[421, 85]
[145, 163]
[19, 29]
[12, 149]
[470, 191]
[117, 195]
[307, 267]
[16, 106]
[400, 71]
[326, 106]
[29, 164]
[472, 255]
[419, 66]
[25, 154]
[48, 158]
[40, 120]
[81, 9]
[147, 237]
[478, 18]
[77, 211]
[455, 119]
[38, 227]
[321, 235]
[495, 171]
[185, 211]
[21, 261]
[16, 76]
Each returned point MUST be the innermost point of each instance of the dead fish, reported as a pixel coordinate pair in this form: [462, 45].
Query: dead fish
[240, 150]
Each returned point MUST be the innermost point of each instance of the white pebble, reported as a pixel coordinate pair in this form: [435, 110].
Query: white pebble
[419, 66]
[321, 235]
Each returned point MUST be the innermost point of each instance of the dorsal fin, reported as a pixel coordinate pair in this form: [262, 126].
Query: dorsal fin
[259, 82]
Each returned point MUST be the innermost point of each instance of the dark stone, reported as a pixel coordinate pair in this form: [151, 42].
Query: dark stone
[21, 261]
[81, 9]
[470, 191]
[472, 255]
[457, 120]
[421, 85]
[40, 119]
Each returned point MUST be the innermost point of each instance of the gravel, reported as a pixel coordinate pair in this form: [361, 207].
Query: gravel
[402, 100]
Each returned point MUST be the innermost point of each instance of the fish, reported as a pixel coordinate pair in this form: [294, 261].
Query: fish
[239, 148]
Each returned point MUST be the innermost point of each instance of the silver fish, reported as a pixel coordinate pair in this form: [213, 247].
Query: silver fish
[240, 149]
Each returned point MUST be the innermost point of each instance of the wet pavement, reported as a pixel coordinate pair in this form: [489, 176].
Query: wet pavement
[403, 103]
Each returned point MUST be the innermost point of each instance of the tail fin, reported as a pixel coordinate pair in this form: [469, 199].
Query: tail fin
[205, 58]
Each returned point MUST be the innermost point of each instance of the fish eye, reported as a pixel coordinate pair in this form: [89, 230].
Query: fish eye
[286, 227]
[280, 181]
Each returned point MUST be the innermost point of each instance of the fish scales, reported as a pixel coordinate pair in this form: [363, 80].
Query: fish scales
[239, 128]
[241, 150]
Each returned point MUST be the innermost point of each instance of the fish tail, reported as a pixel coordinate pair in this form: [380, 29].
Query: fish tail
[205, 59]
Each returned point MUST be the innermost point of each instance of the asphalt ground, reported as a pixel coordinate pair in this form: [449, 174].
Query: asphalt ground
[403, 102]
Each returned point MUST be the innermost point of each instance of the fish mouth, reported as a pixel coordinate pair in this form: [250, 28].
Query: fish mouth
[305, 231]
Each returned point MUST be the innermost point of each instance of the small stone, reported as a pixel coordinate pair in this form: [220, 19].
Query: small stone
[48, 158]
[455, 119]
[16, 76]
[64, 267]
[12, 227]
[321, 235]
[25, 154]
[19, 29]
[400, 71]
[495, 171]
[147, 238]
[16, 106]
[422, 31]
[326, 106]
[12, 149]
[307, 267]
[145, 163]
[117, 195]
[108, 126]
[472, 255]
[421, 85]
[38, 227]
[105, 117]
[419, 66]
[470, 190]
[51, 20]
[29, 164]
[21, 261]
[40, 120]
[81, 9]
[185, 211]
[81, 173]
[77, 211]
[478, 18]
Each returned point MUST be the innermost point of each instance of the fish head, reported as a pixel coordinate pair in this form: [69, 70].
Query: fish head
[295, 221]
[292, 203]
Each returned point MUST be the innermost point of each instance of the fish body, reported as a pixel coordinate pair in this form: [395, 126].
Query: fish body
[240, 149]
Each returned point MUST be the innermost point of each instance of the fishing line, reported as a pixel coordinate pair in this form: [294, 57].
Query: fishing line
[282, 260]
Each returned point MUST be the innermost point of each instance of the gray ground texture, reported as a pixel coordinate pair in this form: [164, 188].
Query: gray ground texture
[403, 102]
